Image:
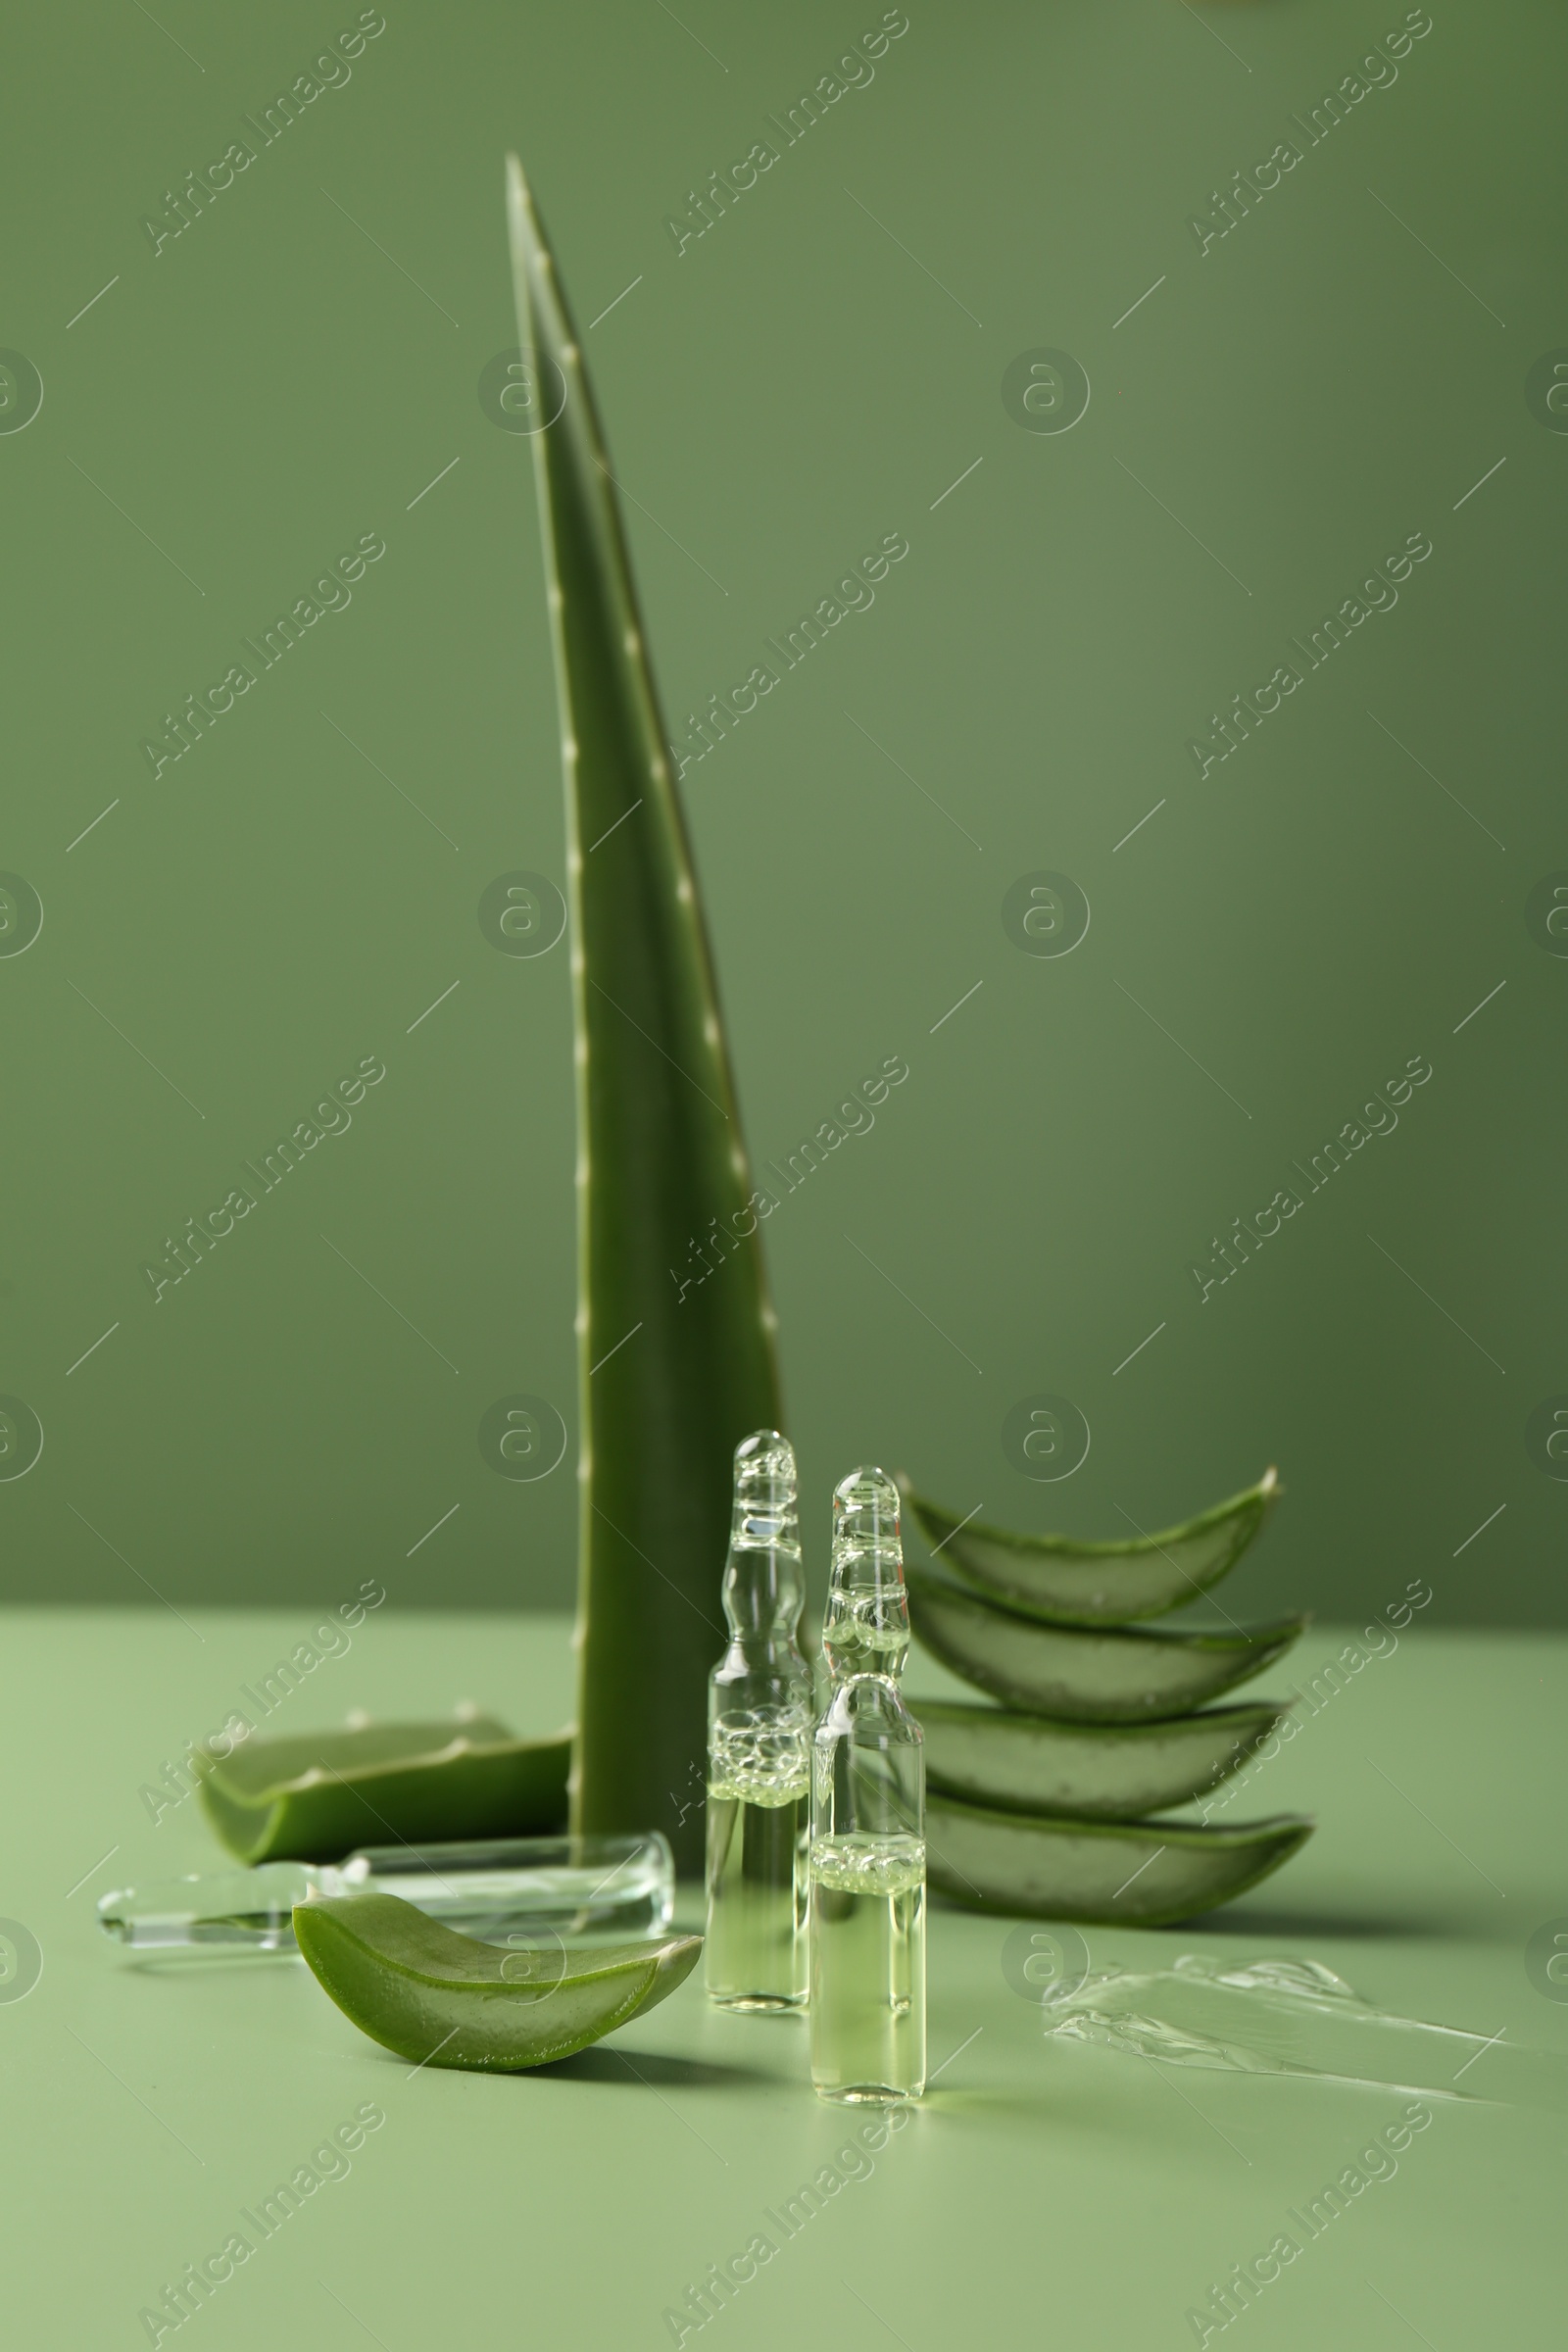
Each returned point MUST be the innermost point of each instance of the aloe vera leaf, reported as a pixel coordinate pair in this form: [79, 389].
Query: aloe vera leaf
[1066, 1582]
[316, 1797]
[1125, 1874]
[1110, 1772]
[675, 1365]
[1115, 1674]
[442, 1999]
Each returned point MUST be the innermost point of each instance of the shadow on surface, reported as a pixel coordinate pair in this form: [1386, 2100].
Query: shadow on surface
[1371, 1925]
[1239, 1918]
[653, 2069]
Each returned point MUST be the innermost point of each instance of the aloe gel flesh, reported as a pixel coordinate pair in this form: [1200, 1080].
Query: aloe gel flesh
[867, 1847]
[758, 1747]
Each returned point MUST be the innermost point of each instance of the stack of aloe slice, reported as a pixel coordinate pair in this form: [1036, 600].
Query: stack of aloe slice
[1042, 1803]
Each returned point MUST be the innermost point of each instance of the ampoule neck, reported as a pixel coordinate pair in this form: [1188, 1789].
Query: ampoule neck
[765, 1586]
[866, 1630]
[867, 1703]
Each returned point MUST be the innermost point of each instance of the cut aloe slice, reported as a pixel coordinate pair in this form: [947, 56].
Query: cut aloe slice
[1065, 1583]
[1111, 1772]
[440, 1999]
[1125, 1874]
[314, 1798]
[1122, 1674]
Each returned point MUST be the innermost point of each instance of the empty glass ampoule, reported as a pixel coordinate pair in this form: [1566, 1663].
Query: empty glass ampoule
[758, 1746]
[583, 1890]
[868, 1848]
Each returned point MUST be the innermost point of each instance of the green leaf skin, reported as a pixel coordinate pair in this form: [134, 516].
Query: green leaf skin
[1120, 1674]
[669, 1381]
[315, 1798]
[1143, 1874]
[1107, 1772]
[1064, 1583]
[438, 1998]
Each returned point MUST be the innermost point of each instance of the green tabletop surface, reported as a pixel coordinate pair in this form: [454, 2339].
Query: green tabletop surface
[1043, 2194]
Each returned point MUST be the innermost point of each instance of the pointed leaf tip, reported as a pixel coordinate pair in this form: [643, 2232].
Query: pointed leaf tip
[523, 222]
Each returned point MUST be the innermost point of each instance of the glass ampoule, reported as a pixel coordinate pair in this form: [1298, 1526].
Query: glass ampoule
[867, 1842]
[579, 1889]
[758, 1746]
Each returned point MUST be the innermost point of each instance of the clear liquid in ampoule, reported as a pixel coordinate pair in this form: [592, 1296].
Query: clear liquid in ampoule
[758, 1747]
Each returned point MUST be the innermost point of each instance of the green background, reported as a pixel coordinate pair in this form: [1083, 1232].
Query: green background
[1279, 413]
